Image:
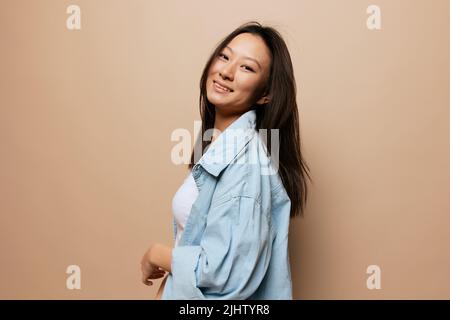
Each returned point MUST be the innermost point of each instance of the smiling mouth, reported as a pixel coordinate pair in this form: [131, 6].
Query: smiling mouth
[221, 88]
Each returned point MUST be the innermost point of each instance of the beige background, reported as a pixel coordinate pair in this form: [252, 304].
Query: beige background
[86, 116]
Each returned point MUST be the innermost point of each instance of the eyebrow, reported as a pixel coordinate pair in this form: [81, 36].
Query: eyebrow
[256, 61]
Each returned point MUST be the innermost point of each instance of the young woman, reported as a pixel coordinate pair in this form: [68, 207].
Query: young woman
[232, 212]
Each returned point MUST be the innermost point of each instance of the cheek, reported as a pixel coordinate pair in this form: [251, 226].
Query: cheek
[214, 68]
[212, 73]
[247, 84]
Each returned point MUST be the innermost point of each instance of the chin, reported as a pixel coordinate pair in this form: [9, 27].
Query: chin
[212, 98]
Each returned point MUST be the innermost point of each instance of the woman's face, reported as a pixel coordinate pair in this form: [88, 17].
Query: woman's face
[242, 67]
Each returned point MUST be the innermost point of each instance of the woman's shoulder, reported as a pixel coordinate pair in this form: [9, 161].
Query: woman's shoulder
[253, 173]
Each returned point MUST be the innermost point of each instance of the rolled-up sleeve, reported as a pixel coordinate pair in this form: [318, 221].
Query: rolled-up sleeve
[232, 258]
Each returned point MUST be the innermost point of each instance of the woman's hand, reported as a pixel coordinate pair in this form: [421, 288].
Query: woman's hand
[150, 270]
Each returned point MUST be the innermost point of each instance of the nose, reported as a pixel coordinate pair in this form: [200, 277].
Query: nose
[227, 73]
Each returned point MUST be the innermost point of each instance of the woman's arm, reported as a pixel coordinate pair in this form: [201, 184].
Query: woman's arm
[155, 262]
[161, 256]
[231, 260]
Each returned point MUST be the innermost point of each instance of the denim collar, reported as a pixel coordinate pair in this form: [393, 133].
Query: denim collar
[229, 143]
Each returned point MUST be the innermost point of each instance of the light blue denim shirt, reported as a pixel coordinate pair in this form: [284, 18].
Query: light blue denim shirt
[235, 241]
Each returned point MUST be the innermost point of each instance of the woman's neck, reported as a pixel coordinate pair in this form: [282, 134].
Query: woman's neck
[221, 122]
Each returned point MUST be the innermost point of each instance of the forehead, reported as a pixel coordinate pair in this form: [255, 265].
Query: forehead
[253, 46]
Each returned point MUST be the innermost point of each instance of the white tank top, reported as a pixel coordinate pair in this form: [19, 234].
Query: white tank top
[182, 203]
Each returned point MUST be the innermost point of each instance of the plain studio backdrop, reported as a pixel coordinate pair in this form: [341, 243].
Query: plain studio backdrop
[86, 117]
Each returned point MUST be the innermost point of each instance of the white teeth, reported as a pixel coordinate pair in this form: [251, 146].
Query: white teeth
[223, 87]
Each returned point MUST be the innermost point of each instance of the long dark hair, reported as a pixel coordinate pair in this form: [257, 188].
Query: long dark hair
[280, 112]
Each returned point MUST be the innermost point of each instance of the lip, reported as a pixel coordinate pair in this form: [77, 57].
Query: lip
[219, 87]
